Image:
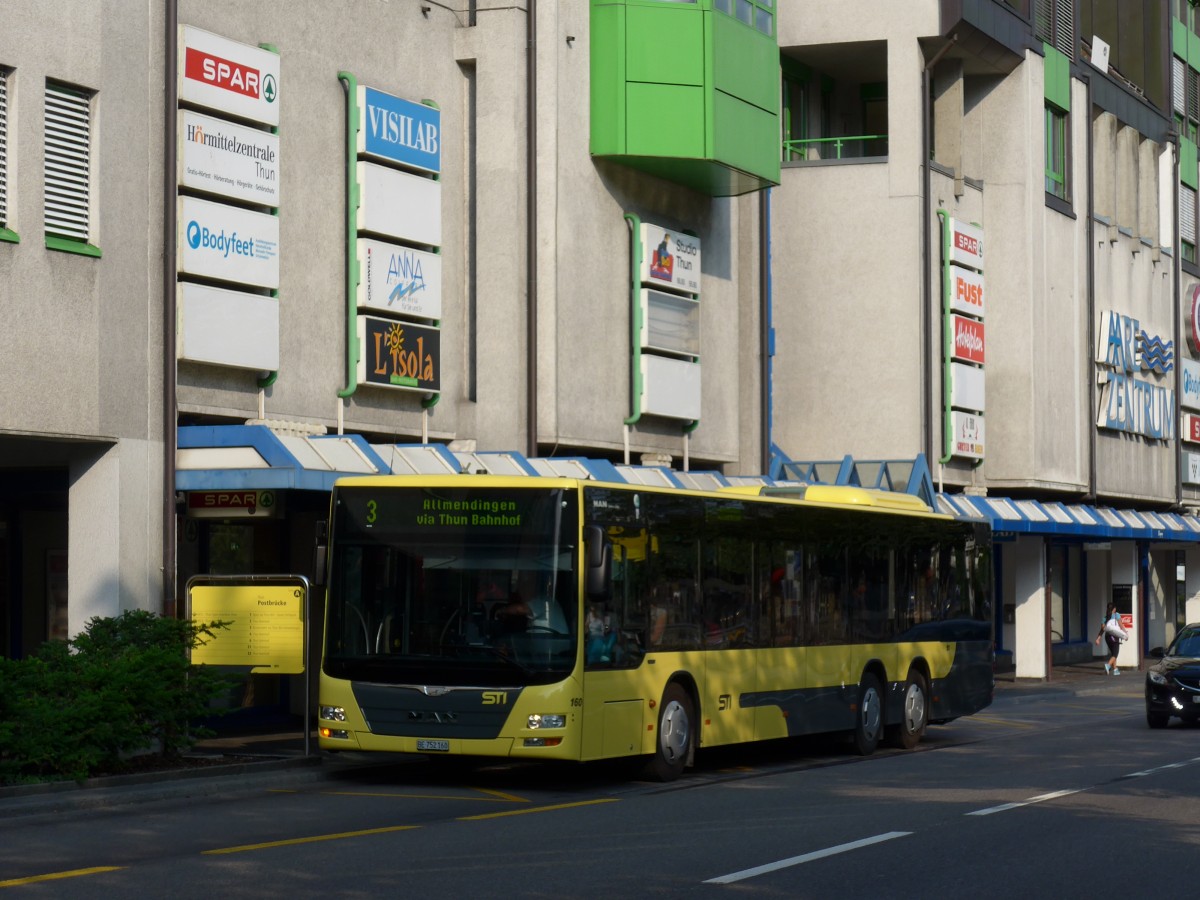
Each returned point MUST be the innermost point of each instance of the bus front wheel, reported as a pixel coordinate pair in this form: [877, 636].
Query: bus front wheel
[674, 740]
[868, 720]
[915, 715]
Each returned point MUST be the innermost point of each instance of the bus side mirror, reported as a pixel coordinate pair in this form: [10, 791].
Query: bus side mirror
[597, 558]
[321, 555]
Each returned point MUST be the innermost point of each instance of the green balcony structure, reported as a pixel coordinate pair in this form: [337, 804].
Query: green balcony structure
[688, 90]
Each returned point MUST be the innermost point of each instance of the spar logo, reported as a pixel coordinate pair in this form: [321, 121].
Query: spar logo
[238, 78]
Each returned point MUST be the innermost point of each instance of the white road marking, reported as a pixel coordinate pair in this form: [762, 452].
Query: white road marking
[1178, 765]
[807, 857]
[1038, 799]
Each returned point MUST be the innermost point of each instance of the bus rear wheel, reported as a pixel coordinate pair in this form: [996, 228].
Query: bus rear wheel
[914, 716]
[673, 744]
[868, 721]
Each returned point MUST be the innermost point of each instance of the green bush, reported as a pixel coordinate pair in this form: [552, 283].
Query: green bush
[123, 686]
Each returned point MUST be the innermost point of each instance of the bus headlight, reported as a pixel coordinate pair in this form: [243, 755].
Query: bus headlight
[546, 721]
[332, 713]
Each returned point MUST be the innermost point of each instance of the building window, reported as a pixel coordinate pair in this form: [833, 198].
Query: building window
[1185, 12]
[1191, 127]
[1056, 153]
[758, 14]
[795, 117]
[1054, 23]
[1187, 222]
[3, 150]
[68, 170]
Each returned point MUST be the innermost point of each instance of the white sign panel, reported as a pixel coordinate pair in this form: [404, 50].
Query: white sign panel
[670, 258]
[670, 387]
[228, 76]
[967, 435]
[399, 280]
[231, 160]
[670, 323]
[1191, 468]
[966, 291]
[228, 328]
[1189, 397]
[968, 387]
[399, 205]
[966, 244]
[228, 243]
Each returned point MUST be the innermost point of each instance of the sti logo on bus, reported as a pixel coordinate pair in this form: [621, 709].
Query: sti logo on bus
[495, 698]
[228, 75]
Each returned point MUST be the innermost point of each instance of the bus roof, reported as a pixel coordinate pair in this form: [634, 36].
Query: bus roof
[822, 494]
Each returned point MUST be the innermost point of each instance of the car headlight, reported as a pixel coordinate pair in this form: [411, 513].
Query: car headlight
[553, 720]
[332, 713]
[1156, 678]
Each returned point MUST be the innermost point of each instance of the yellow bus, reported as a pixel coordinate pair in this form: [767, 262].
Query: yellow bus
[569, 619]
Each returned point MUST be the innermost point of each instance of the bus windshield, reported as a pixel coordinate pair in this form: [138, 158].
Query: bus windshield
[453, 586]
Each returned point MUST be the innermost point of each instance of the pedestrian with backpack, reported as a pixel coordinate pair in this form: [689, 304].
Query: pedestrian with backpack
[1114, 634]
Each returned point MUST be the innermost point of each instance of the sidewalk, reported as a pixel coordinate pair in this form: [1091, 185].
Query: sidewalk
[1078, 679]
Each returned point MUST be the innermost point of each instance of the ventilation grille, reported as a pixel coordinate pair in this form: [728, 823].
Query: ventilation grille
[3, 148]
[68, 163]
[1187, 214]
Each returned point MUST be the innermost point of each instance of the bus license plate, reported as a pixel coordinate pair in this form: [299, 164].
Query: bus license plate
[442, 746]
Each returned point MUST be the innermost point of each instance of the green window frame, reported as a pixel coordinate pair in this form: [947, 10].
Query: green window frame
[1056, 153]
[758, 14]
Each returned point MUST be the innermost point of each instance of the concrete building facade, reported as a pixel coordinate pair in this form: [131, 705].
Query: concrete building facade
[566, 139]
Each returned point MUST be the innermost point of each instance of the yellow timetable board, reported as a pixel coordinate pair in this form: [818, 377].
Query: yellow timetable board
[267, 630]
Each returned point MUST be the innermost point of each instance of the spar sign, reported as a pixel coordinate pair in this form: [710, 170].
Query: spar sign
[228, 76]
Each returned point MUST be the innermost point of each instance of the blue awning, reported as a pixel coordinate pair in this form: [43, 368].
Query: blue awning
[255, 457]
[1009, 516]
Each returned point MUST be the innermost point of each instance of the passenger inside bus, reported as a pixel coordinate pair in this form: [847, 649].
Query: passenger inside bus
[602, 635]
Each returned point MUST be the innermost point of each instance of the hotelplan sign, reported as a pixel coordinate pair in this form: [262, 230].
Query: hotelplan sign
[230, 160]
[227, 76]
[400, 131]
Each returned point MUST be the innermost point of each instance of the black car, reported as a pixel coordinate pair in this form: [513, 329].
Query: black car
[1173, 683]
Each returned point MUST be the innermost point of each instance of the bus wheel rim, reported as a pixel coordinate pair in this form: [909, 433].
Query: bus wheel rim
[673, 734]
[872, 712]
[914, 708]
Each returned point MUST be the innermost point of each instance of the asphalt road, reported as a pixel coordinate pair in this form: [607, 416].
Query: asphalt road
[1045, 794]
